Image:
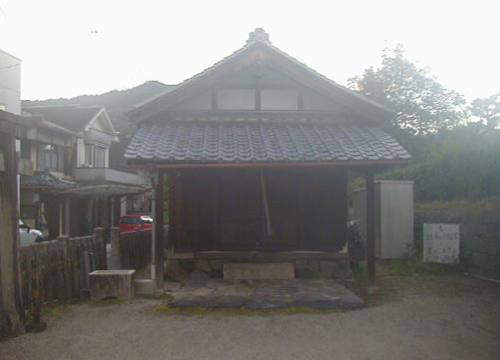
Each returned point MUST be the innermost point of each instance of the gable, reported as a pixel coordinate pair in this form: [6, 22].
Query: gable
[237, 72]
[102, 123]
[272, 91]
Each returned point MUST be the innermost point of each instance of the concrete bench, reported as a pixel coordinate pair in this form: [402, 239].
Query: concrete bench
[112, 284]
[258, 271]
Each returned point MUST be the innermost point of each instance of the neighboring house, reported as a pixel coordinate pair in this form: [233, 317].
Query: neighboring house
[10, 83]
[257, 150]
[72, 188]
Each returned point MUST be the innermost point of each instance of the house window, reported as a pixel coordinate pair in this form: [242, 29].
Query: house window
[50, 157]
[95, 156]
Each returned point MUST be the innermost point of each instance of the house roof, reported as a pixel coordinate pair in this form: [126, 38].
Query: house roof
[47, 181]
[72, 117]
[28, 120]
[259, 49]
[246, 139]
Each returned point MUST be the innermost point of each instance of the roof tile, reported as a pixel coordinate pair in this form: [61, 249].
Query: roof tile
[261, 141]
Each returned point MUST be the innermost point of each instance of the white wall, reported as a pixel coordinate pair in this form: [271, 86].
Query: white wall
[80, 152]
[278, 99]
[313, 101]
[202, 101]
[236, 99]
[10, 83]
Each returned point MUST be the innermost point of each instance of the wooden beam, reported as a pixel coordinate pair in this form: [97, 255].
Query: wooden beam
[370, 226]
[214, 99]
[265, 201]
[259, 255]
[282, 164]
[300, 100]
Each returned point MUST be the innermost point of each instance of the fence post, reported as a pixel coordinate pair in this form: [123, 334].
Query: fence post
[115, 249]
[86, 267]
[64, 239]
[101, 254]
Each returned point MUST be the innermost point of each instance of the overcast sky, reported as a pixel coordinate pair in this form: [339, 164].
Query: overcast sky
[74, 47]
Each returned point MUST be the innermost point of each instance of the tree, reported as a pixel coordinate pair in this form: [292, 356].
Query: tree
[487, 110]
[421, 103]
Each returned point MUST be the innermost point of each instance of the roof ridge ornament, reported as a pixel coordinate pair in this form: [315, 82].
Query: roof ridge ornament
[259, 35]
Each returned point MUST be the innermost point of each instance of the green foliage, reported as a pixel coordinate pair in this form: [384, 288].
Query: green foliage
[487, 204]
[453, 164]
[421, 103]
[417, 267]
[487, 110]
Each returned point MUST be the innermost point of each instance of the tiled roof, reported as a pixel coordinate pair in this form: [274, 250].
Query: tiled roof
[71, 117]
[48, 181]
[195, 141]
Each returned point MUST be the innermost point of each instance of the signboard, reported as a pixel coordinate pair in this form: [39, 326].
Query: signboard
[441, 243]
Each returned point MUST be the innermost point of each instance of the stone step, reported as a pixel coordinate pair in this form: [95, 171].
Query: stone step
[258, 271]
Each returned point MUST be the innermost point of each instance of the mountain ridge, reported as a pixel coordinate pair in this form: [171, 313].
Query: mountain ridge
[116, 102]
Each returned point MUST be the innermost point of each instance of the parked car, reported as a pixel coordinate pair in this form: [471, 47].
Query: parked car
[135, 222]
[28, 235]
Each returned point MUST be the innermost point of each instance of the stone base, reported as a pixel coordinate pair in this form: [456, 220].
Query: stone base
[145, 287]
[255, 271]
[117, 284]
[183, 270]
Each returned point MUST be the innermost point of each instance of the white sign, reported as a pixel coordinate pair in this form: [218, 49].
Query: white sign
[441, 243]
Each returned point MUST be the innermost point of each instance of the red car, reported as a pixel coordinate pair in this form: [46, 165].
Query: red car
[135, 222]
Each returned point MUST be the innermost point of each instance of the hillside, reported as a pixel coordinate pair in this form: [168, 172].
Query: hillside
[116, 102]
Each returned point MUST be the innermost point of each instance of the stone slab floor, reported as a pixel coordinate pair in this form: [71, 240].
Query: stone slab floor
[266, 294]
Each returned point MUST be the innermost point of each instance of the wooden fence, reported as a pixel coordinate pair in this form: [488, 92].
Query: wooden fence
[60, 267]
[134, 249]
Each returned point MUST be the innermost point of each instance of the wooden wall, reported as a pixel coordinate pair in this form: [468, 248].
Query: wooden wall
[223, 209]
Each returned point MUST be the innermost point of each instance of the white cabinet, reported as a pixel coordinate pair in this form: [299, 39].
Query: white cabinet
[393, 217]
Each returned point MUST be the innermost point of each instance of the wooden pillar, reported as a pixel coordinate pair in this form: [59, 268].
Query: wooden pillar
[114, 237]
[370, 226]
[11, 311]
[172, 213]
[159, 223]
[267, 214]
[112, 214]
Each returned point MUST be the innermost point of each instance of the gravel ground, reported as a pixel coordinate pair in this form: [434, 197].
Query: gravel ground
[419, 317]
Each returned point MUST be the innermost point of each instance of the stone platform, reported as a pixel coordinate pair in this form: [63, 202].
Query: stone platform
[324, 294]
[117, 284]
[256, 271]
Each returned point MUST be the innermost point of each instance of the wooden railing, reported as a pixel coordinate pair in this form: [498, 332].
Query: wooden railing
[59, 268]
